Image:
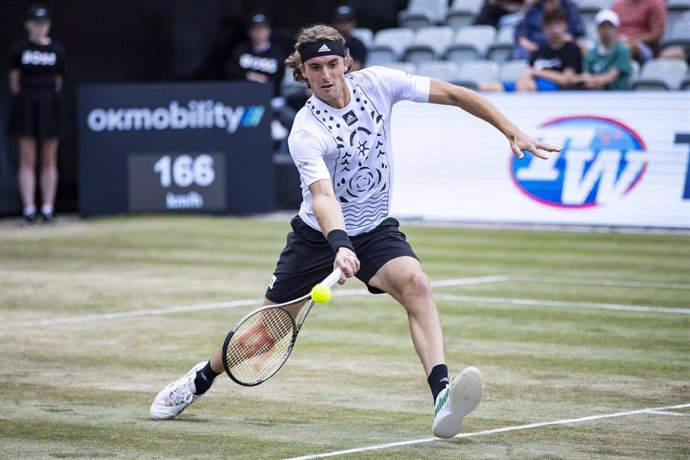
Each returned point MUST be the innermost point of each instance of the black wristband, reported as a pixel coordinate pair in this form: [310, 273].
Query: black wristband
[338, 239]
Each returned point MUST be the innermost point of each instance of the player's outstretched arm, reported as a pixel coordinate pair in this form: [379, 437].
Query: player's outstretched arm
[447, 94]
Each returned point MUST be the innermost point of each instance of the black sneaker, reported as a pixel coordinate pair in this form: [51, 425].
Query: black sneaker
[30, 219]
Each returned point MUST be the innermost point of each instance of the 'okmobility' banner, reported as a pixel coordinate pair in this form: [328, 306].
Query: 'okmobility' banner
[193, 147]
[624, 161]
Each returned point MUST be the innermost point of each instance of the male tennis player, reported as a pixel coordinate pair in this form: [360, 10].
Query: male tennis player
[341, 144]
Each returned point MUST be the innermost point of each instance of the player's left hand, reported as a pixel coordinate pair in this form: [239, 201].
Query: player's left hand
[522, 141]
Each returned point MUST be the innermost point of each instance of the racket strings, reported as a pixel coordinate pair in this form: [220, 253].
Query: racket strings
[260, 345]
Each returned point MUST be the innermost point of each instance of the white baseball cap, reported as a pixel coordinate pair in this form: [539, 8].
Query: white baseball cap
[607, 16]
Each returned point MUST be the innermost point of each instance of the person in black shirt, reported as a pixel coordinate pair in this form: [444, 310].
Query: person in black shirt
[556, 64]
[257, 59]
[35, 78]
[345, 21]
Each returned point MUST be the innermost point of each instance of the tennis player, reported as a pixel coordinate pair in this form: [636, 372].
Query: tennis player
[341, 145]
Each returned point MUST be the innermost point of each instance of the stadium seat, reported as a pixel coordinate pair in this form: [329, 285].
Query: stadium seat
[407, 67]
[472, 73]
[462, 13]
[365, 35]
[429, 44]
[675, 10]
[502, 46]
[423, 13]
[416, 21]
[661, 74]
[678, 35]
[470, 43]
[635, 72]
[591, 31]
[512, 69]
[473, 6]
[388, 45]
[440, 70]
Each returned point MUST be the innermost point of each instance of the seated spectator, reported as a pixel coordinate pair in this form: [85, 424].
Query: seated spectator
[495, 12]
[553, 66]
[529, 33]
[257, 59]
[607, 65]
[345, 21]
[642, 25]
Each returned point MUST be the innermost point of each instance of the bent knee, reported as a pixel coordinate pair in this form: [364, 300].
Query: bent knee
[417, 284]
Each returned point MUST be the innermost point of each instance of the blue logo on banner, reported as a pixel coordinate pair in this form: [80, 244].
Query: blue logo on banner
[601, 160]
[252, 116]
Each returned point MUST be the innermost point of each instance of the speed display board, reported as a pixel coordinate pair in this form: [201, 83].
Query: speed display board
[196, 147]
[178, 181]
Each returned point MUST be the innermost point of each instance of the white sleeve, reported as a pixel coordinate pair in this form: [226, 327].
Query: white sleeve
[404, 86]
[307, 153]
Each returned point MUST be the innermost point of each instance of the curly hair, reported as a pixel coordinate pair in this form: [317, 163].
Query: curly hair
[312, 34]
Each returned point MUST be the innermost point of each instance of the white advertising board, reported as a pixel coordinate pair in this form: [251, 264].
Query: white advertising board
[624, 161]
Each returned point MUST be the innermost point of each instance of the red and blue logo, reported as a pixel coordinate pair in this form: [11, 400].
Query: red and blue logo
[601, 160]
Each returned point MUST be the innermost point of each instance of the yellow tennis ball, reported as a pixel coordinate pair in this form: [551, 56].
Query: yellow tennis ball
[321, 293]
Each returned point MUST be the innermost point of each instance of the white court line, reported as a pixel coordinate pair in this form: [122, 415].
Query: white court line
[665, 412]
[217, 306]
[469, 281]
[561, 304]
[353, 292]
[490, 432]
[133, 313]
[623, 283]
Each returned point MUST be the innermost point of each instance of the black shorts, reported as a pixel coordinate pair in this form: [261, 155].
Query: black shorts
[308, 258]
[37, 113]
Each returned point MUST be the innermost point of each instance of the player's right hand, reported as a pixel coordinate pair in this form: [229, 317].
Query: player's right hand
[348, 263]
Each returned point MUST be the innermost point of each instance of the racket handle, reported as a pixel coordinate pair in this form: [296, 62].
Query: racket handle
[332, 278]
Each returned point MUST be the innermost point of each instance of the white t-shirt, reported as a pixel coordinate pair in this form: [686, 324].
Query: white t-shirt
[352, 146]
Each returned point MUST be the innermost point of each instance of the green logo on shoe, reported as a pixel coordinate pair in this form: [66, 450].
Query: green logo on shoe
[441, 402]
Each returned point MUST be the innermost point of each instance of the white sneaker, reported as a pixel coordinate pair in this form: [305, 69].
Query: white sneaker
[175, 397]
[456, 401]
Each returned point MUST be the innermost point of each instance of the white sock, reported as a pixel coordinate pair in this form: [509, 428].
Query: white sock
[46, 209]
[29, 210]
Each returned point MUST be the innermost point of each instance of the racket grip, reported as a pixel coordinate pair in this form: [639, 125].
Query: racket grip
[332, 278]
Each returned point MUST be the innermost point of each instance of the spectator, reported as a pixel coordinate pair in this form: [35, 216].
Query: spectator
[553, 66]
[257, 59]
[36, 80]
[607, 65]
[345, 21]
[529, 33]
[642, 25]
[495, 12]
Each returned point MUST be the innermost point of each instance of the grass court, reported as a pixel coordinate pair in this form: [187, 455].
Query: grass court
[583, 340]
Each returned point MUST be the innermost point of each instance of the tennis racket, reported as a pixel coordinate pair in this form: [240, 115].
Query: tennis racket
[260, 343]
